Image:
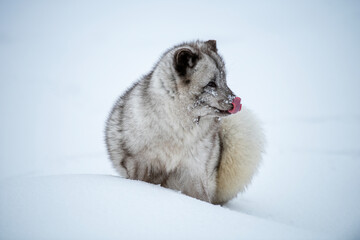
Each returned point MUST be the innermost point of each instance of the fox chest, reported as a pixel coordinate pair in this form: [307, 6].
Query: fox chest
[173, 152]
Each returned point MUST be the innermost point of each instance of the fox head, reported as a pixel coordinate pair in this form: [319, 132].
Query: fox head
[201, 79]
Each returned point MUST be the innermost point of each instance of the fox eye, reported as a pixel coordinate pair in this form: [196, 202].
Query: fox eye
[211, 84]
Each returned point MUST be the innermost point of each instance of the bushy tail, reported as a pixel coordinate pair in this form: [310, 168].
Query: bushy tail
[243, 146]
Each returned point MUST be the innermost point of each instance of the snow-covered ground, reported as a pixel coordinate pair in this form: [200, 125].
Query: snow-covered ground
[63, 64]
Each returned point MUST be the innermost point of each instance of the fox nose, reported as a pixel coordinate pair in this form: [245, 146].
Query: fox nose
[236, 105]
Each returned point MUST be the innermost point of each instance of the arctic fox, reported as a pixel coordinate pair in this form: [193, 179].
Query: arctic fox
[178, 126]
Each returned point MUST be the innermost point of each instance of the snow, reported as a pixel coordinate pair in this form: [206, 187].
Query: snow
[107, 207]
[63, 64]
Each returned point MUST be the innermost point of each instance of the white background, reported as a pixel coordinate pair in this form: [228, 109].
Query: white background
[296, 64]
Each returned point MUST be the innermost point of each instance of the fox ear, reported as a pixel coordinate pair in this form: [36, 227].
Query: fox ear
[184, 58]
[212, 45]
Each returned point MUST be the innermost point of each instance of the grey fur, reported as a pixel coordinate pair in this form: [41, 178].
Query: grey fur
[166, 128]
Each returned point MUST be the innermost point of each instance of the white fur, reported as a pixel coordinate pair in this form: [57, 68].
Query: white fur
[243, 145]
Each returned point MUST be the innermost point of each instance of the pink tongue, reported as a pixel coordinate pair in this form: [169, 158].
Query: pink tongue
[237, 105]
